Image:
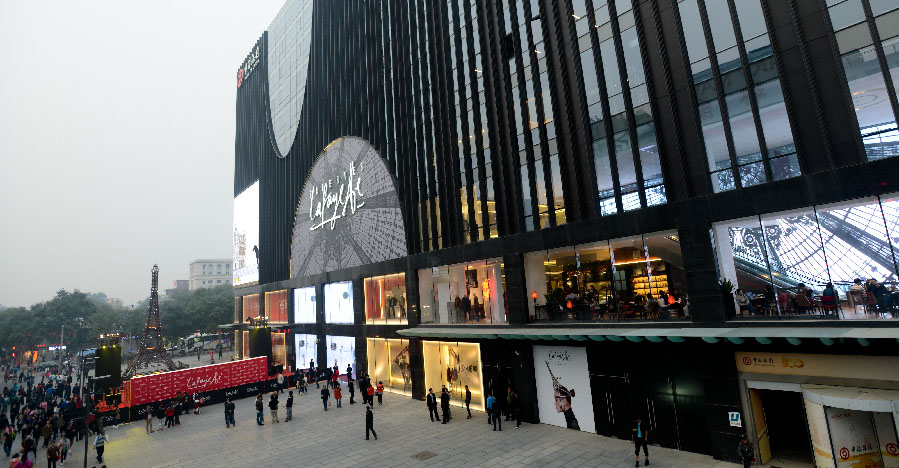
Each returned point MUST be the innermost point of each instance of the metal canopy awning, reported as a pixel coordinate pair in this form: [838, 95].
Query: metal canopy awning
[763, 335]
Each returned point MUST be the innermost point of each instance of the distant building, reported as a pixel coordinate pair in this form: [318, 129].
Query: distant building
[178, 287]
[207, 273]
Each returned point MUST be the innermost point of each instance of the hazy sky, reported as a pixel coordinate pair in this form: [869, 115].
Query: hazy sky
[117, 140]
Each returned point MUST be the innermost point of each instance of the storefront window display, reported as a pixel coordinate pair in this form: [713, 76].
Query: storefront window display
[773, 257]
[454, 365]
[388, 362]
[464, 293]
[385, 299]
[608, 280]
[276, 306]
[305, 349]
[250, 307]
[339, 302]
[245, 350]
[341, 352]
[279, 350]
[304, 305]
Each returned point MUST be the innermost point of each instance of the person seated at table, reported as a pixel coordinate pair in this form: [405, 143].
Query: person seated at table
[663, 306]
[803, 304]
[857, 286]
[801, 289]
[744, 302]
[829, 290]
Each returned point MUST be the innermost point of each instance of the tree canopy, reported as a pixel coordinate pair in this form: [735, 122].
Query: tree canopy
[42, 323]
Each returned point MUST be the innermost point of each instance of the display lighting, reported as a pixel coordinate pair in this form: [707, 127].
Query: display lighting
[640, 260]
[259, 321]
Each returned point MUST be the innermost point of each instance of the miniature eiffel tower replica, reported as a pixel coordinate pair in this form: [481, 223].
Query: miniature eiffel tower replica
[151, 352]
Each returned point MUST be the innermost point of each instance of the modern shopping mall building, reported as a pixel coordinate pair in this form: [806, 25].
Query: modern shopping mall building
[545, 196]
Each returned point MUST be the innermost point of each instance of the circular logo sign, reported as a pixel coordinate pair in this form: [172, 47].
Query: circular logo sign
[892, 449]
[747, 361]
[844, 453]
[239, 77]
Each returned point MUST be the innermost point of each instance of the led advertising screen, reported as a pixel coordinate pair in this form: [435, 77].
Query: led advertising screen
[246, 236]
[339, 302]
[341, 351]
[305, 349]
[304, 305]
[563, 387]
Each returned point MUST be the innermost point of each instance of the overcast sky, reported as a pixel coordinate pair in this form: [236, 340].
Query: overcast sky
[117, 140]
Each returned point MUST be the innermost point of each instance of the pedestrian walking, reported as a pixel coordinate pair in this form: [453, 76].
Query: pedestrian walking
[432, 406]
[498, 415]
[325, 396]
[491, 400]
[468, 401]
[260, 418]
[100, 444]
[197, 402]
[63, 450]
[370, 423]
[516, 409]
[380, 392]
[52, 455]
[273, 407]
[640, 435]
[229, 412]
[352, 388]
[746, 451]
[280, 382]
[444, 405]
[371, 395]
[338, 396]
[148, 417]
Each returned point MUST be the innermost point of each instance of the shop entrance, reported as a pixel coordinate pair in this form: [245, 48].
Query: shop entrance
[781, 428]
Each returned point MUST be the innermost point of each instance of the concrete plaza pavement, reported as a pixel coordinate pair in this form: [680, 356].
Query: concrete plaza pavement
[407, 438]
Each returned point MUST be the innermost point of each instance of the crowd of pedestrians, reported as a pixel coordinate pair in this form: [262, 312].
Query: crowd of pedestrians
[42, 406]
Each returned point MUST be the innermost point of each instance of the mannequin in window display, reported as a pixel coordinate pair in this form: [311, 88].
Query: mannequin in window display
[466, 307]
[563, 398]
[476, 308]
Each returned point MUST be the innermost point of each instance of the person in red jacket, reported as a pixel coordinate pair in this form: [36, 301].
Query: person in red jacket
[338, 395]
[380, 392]
[371, 395]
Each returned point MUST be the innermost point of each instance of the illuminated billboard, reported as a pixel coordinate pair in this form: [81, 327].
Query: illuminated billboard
[246, 236]
[349, 213]
[339, 303]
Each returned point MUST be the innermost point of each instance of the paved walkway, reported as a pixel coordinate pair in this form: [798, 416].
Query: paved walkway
[336, 438]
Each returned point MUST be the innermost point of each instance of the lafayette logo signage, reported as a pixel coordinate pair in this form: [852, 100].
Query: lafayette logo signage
[166, 385]
[249, 64]
[349, 213]
[330, 201]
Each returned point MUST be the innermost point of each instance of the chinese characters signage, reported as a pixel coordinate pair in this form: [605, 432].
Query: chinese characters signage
[249, 64]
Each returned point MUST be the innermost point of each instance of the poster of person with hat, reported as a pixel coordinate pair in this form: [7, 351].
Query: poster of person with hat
[563, 387]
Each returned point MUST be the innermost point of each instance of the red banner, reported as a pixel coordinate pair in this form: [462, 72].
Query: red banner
[156, 387]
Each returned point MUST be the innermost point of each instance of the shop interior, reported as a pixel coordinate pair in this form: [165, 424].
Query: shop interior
[609, 280]
[385, 300]
[388, 362]
[464, 293]
[777, 257]
[781, 428]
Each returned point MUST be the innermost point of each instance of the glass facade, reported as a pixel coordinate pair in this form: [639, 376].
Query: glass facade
[774, 257]
[745, 126]
[341, 352]
[640, 277]
[471, 293]
[871, 69]
[289, 40]
[385, 300]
